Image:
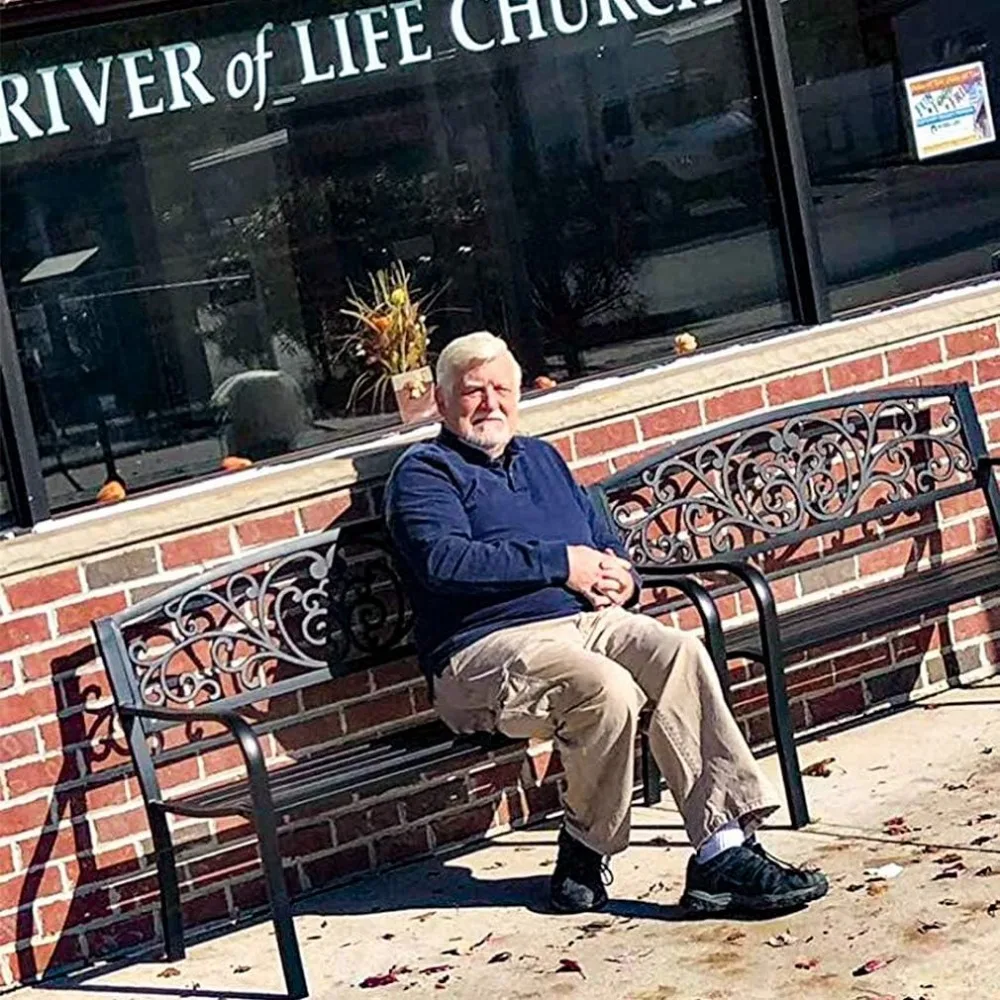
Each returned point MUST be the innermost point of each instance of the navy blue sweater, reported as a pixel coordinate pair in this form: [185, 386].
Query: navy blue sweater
[482, 542]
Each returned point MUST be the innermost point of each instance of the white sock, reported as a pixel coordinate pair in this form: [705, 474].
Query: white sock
[730, 835]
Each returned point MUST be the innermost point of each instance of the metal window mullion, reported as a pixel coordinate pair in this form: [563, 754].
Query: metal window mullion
[18, 446]
[782, 132]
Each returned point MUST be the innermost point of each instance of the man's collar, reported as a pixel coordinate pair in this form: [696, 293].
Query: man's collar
[476, 455]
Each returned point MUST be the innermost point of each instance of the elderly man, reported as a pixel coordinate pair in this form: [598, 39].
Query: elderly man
[520, 591]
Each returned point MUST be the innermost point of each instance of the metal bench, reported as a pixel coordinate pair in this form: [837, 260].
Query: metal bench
[218, 654]
[735, 507]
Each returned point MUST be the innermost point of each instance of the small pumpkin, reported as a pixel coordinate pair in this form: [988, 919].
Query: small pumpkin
[111, 492]
[234, 463]
[685, 343]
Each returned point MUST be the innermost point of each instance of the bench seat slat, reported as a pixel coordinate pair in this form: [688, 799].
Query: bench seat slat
[340, 770]
[885, 604]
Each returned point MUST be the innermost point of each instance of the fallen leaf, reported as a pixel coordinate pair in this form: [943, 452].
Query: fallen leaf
[993, 908]
[433, 970]
[984, 817]
[451, 951]
[481, 941]
[168, 973]
[660, 842]
[949, 873]
[439, 985]
[807, 963]
[819, 769]
[925, 927]
[734, 937]
[241, 968]
[855, 887]
[948, 859]
[986, 751]
[948, 901]
[500, 956]
[388, 937]
[955, 786]
[385, 979]
[984, 839]
[570, 965]
[872, 965]
[782, 940]
[877, 888]
[986, 872]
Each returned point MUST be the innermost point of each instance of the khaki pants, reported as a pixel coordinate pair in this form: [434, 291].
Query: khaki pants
[584, 680]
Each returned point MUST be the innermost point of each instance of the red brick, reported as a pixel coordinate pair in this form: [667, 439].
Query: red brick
[25, 778]
[948, 376]
[304, 840]
[852, 374]
[435, 799]
[610, 437]
[795, 387]
[401, 846]
[28, 705]
[322, 514]
[759, 726]
[199, 548]
[670, 421]
[470, 823]
[564, 447]
[205, 908]
[366, 822]
[956, 536]
[893, 556]
[43, 589]
[83, 908]
[33, 960]
[987, 370]
[590, 474]
[339, 864]
[987, 400]
[734, 403]
[983, 622]
[850, 666]
[263, 530]
[339, 689]
[67, 657]
[913, 356]
[23, 631]
[378, 711]
[489, 781]
[118, 826]
[34, 885]
[24, 817]
[74, 617]
[6, 675]
[967, 342]
[6, 860]
[120, 935]
[961, 504]
[836, 704]
[399, 672]
[916, 643]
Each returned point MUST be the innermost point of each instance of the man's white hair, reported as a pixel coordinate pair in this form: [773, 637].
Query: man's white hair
[470, 351]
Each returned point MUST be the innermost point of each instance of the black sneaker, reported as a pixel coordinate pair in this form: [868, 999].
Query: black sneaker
[748, 879]
[578, 880]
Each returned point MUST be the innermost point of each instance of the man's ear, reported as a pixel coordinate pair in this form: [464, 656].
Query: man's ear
[439, 399]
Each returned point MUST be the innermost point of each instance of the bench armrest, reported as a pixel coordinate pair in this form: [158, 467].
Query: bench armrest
[238, 727]
[711, 621]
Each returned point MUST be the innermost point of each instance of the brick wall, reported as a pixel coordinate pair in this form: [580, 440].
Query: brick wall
[77, 880]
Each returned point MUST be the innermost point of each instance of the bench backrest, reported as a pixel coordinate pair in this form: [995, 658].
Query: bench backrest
[780, 477]
[251, 633]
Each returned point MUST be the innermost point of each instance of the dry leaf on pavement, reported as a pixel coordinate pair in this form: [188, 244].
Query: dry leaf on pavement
[570, 965]
[168, 973]
[872, 965]
[819, 769]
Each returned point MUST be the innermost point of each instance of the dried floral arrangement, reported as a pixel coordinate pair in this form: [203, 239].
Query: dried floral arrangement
[390, 338]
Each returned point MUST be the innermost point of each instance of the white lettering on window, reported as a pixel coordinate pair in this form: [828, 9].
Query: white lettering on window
[371, 37]
[309, 74]
[97, 107]
[180, 78]
[15, 109]
[347, 64]
[56, 121]
[407, 31]
[563, 25]
[235, 87]
[508, 8]
[135, 84]
[461, 32]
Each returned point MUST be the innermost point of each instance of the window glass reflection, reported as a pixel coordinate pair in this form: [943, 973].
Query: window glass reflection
[892, 224]
[179, 278]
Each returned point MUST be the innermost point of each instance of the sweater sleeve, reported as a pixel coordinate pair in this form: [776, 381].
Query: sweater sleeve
[430, 529]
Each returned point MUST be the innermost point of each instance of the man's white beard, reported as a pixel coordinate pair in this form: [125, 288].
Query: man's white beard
[491, 436]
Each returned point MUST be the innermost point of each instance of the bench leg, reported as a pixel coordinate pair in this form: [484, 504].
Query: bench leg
[652, 792]
[281, 906]
[170, 897]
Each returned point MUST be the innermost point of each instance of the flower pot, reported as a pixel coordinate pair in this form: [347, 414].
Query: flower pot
[414, 392]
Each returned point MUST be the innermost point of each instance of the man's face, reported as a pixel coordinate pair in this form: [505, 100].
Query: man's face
[482, 408]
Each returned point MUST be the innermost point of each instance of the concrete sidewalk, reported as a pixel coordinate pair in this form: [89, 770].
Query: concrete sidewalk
[472, 926]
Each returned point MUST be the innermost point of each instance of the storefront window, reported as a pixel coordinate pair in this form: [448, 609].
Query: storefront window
[189, 201]
[898, 101]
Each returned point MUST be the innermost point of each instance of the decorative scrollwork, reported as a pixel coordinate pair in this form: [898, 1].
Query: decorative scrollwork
[309, 610]
[772, 481]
